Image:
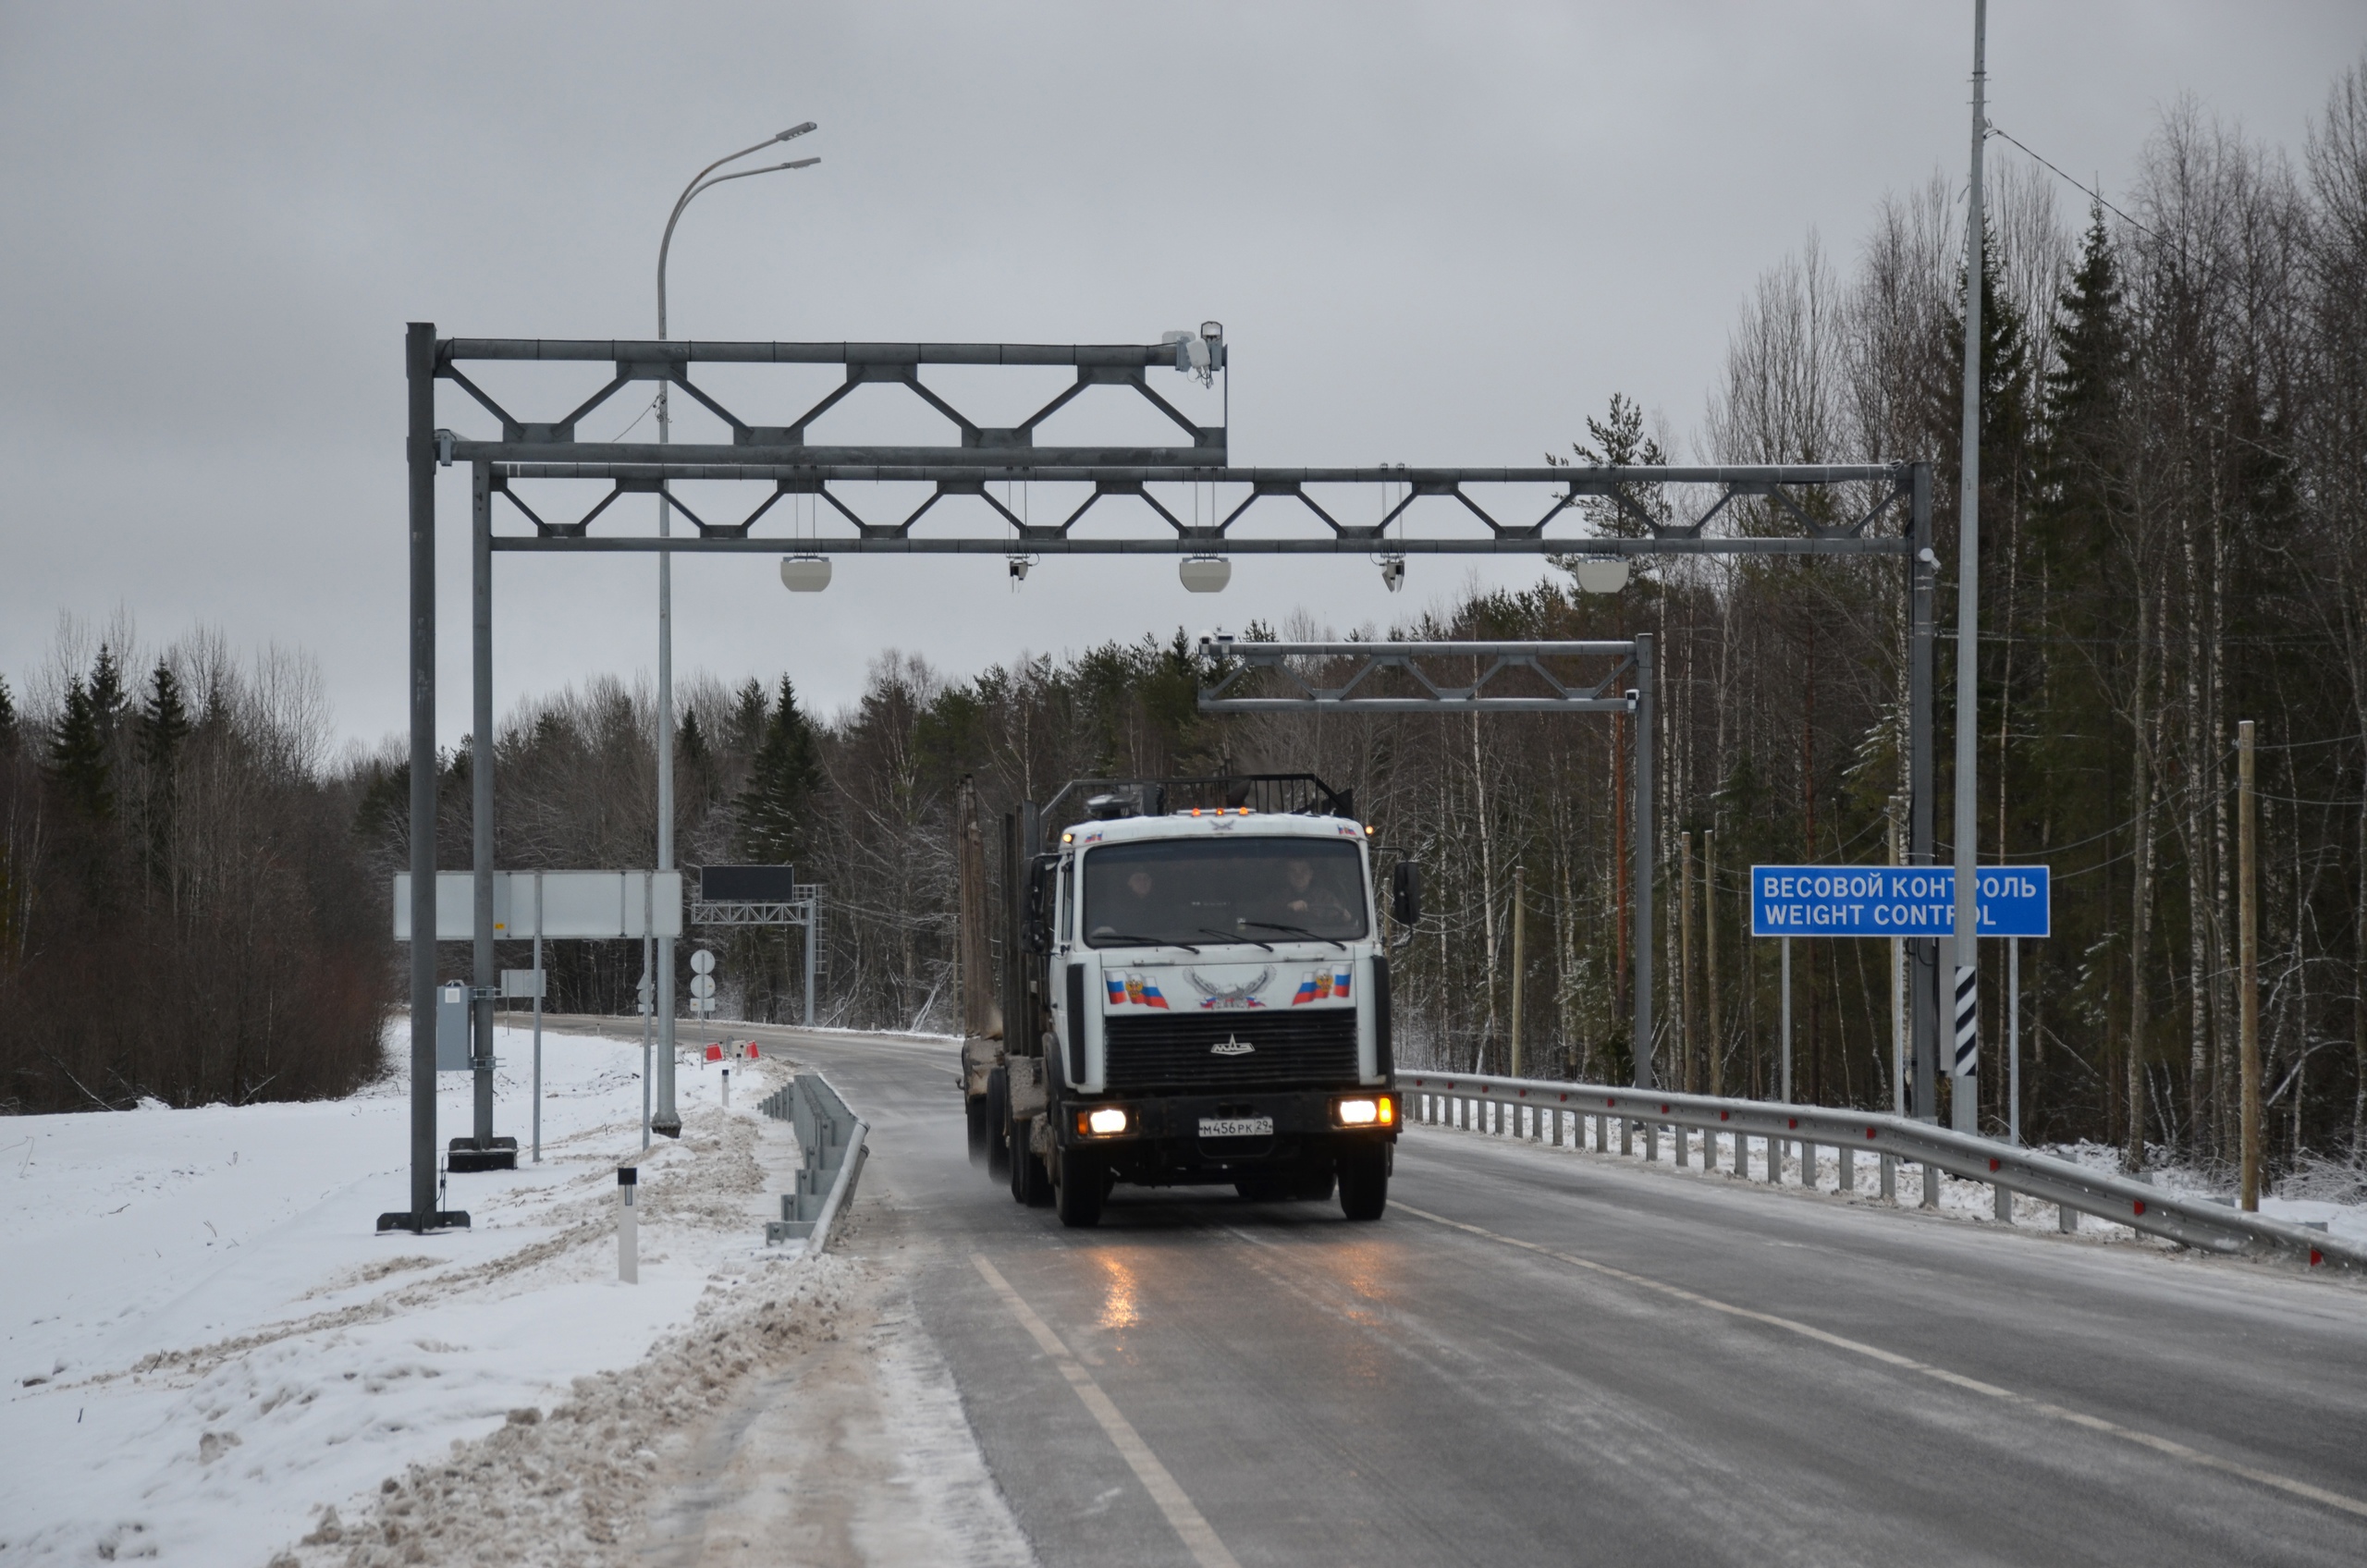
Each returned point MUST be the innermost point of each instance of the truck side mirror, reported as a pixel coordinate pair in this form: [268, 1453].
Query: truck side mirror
[1406, 893]
[1035, 928]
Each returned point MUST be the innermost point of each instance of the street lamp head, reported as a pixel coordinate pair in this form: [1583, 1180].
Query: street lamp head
[801, 164]
[794, 131]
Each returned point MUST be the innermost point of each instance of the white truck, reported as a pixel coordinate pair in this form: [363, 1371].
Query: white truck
[1198, 995]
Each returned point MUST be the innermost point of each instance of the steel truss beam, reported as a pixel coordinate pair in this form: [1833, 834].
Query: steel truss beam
[867, 363]
[1289, 659]
[1231, 493]
[1635, 656]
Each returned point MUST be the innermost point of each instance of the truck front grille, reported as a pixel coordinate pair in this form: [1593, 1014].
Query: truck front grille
[1178, 1052]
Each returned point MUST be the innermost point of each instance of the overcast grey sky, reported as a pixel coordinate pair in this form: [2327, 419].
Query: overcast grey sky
[1434, 233]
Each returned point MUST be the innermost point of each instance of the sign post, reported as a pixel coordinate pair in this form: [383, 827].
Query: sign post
[1912, 902]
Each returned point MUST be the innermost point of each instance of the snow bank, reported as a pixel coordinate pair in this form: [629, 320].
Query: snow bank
[203, 1337]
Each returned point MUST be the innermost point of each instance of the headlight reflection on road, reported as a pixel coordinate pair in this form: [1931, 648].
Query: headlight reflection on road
[1121, 1293]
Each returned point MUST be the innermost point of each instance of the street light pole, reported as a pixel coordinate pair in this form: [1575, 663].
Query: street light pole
[1964, 1092]
[667, 1119]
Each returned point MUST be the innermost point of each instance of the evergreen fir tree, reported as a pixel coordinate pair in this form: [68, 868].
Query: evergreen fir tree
[164, 723]
[78, 755]
[9, 728]
[109, 698]
[783, 779]
[162, 728]
[748, 712]
[693, 758]
[2092, 350]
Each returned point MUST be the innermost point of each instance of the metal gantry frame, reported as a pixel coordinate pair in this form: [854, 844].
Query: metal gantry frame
[805, 910]
[1488, 511]
[1636, 656]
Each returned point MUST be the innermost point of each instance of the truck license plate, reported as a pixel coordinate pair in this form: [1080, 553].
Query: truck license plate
[1236, 1126]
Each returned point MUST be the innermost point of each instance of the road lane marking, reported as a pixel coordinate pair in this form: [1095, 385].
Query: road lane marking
[2168, 1446]
[1199, 1538]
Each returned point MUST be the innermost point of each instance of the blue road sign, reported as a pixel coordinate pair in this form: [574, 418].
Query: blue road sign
[1894, 901]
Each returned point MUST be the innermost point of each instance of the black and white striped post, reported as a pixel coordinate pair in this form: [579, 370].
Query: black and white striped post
[627, 1226]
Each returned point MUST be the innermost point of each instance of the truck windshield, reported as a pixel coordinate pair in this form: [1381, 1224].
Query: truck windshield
[1199, 891]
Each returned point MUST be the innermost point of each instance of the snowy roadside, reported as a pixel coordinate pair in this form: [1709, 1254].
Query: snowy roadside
[205, 1339]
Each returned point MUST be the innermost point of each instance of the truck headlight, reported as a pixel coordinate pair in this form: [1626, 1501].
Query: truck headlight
[1103, 1122]
[1380, 1110]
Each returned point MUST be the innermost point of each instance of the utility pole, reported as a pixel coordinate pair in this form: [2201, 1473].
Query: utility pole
[1964, 1098]
[2247, 988]
[1685, 1034]
[1640, 940]
[1520, 955]
[1620, 925]
[1715, 1038]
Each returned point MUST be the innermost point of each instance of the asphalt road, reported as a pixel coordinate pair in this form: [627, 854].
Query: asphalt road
[1542, 1356]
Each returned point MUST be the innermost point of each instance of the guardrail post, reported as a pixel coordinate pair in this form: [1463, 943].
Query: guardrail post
[1627, 1136]
[2066, 1219]
[1683, 1138]
[1652, 1140]
[1890, 1178]
[1848, 1167]
[1930, 1185]
[1808, 1164]
[2003, 1198]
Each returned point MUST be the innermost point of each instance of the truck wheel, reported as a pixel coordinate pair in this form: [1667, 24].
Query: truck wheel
[974, 1118]
[1363, 1181]
[1030, 1182]
[1080, 1188]
[993, 1127]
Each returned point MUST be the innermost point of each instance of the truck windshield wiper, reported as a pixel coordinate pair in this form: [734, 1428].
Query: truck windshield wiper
[1135, 939]
[1296, 930]
[1237, 936]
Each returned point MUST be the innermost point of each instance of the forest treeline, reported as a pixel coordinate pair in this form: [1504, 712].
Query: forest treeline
[184, 907]
[2174, 458]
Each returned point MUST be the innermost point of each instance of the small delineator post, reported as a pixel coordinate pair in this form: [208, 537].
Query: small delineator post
[727, 1088]
[628, 1227]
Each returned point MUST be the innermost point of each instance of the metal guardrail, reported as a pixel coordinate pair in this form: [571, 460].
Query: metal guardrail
[833, 1139]
[1447, 1098]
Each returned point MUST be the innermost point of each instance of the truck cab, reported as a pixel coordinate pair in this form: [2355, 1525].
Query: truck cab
[1215, 1011]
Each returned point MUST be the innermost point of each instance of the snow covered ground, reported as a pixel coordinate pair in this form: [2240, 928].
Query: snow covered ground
[204, 1339]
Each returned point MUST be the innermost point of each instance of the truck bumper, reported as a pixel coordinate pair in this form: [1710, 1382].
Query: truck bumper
[1162, 1146]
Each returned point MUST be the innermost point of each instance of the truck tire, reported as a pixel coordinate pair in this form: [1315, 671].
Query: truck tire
[973, 1122]
[1030, 1182]
[1083, 1185]
[990, 1134]
[1363, 1181]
